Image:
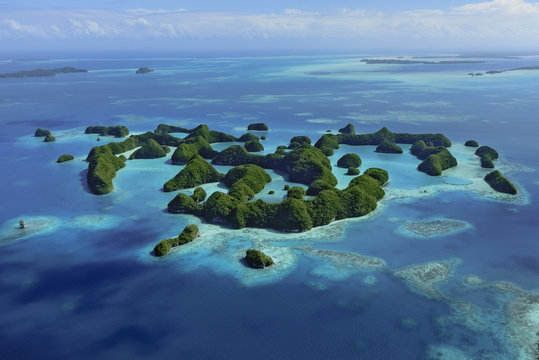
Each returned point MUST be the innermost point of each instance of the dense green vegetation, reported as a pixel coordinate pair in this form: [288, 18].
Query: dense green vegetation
[388, 147]
[101, 170]
[349, 160]
[292, 214]
[245, 181]
[248, 137]
[301, 140]
[165, 129]
[487, 154]
[64, 158]
[258, 127]
[296, 192]
[253, 146]
[352, 171]
[499, 183]
[189, 233]
[348, 129]
[42, 132]
[318, 186]
[192, 146]
[150, 150]
[49, 138]
[116, 131]
[471, 143]
[199, 195]
[197, 172]
[435, 158]
[329, 142]
[257, 259]
[379, 174]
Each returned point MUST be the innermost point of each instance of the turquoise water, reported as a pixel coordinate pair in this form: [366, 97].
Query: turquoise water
[81, 282]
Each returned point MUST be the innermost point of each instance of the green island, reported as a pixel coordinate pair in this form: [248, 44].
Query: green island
[471, 143]
[435, 158]
[42, 72]
[388, 147]
[349, 160]
[499, 183]
[348, 129]
[258, 127]
[353, 171]
[487, 154]
[49, 138]
[189, 233]
[197, 172]
[42, 132]
[253, 146]
[296, 192]
[257, 259]
[150, 150]
[116, 131]
[64, 158]
[199, 194]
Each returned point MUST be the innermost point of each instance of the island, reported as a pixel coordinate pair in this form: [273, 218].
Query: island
[64, 158]
[197, 172]
[189, 233]
[42, 72]
[388, 147]
[199, 195]
[42, 132]
[524, 68]
[296, 192]
[471, 143]
[257, 259]
[49, 138]
[258, 127]
[487, 154]
[253, 146]
[348, 129]
[150, 150]
[435, 158]
[499, 183]
[116, 131]
[352, 171]
[349, 160]
[422, 62]
[144, 70]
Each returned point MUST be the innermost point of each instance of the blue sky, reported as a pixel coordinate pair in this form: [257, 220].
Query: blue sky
[351, 26]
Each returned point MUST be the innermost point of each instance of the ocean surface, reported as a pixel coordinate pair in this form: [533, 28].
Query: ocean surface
[460, 267]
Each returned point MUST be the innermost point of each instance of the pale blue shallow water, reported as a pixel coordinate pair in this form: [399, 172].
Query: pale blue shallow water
[88, 289]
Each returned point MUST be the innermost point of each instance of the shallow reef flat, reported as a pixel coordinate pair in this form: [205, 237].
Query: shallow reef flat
[424, 279]
[35, 225]
[445, 352]
[432, 228]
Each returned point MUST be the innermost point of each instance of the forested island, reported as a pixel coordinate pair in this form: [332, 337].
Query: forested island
[300, 162]
[422, 62]
[42, 72]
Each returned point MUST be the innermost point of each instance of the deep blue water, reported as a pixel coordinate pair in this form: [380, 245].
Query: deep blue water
[89, 289]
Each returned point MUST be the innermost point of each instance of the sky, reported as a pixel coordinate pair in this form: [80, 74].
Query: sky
[292, 25]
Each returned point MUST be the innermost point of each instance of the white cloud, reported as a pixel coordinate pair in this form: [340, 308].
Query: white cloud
[496, 22]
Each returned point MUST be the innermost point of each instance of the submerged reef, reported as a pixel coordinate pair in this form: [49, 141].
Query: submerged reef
[257, 259]
[425, 278]
[258, 127]
[189, 233]
[64, 158]
[499, 183]
[116, 131]
[487, 154]
[427, 229]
